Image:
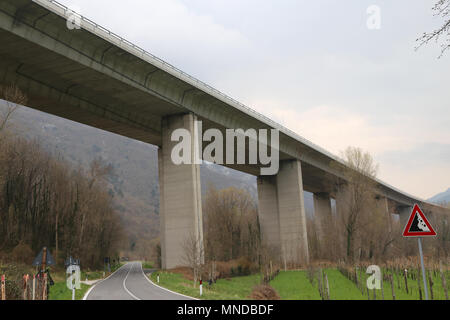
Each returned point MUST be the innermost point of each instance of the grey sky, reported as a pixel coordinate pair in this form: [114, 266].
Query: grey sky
[316, 68]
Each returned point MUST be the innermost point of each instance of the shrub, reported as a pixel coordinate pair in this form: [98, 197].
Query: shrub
[264, 292]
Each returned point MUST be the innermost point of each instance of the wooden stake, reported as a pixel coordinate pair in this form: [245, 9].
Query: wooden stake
[418, 284]
[3, 287]
[34, 287]
[430, 280]
[405, 276]
[44, 290]
[444, 282]
[392, 286]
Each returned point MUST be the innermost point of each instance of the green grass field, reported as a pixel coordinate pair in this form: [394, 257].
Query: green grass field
[147, 265]
[295, 285]
[59, 291]
[413, 292]
[237, 288]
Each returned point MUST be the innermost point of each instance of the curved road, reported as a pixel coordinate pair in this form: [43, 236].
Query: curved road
[130, 283]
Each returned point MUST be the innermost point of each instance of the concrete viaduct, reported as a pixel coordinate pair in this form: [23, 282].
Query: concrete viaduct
[97, 78]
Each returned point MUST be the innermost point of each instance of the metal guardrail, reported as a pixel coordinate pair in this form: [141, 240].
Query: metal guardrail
[205, 87]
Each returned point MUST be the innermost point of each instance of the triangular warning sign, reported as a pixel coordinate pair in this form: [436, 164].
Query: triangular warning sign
[418, 224]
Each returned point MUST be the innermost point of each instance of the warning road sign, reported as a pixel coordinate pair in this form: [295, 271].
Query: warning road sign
[418, 225]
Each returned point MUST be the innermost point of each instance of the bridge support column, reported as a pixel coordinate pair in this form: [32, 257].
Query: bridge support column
[268, 212]
[180, 196]
[404, 213]
[282, 212]
[382, 206]
[322, 211]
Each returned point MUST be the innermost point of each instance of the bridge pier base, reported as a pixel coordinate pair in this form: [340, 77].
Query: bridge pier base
[180, 196]
[281, 200]
[322, 211]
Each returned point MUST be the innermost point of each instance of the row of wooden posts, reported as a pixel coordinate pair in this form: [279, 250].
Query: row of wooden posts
[356, 277]
[32, 289]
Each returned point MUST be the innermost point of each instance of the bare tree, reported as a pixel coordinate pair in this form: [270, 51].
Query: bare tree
[354, 197]
[193, 255]
[13, 97]
[442, 9]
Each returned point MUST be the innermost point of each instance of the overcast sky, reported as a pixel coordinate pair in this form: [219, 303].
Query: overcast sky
[316, 68]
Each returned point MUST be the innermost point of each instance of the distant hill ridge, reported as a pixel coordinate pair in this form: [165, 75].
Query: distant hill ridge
[134, 185]
[440, 198]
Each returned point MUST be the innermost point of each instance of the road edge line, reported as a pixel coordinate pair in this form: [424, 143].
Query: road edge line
[92, 287]
[151, 282]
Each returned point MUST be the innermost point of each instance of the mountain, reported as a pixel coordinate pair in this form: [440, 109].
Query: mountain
[440, 198]
[134, 184]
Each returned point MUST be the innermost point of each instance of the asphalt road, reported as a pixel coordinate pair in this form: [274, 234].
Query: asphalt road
[130, 283]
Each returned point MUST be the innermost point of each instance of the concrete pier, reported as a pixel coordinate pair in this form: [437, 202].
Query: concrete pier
[180, 195]
[322, 211]
[282, 212]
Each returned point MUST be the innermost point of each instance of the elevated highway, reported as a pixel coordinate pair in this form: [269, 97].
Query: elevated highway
[92, 76]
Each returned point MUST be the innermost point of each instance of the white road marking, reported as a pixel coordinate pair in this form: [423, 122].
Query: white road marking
[92, 287]
[125, 286]
[151, 282]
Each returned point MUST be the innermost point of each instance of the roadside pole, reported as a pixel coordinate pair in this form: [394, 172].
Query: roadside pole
[34, 286]
[201, 288]
[3, 287]
[425, 287]
[419, 226]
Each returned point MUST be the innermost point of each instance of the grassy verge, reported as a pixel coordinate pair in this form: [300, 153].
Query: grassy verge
[147, 265]
[237, 288]
[59, 291]
[413, 288]
[294, 285]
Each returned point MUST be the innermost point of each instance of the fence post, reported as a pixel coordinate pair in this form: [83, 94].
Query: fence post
[392, 286]
[430, 280]
[34, 287]
[25, 287]
[405, 275]
[3, 287]
[44, 290]
[444, 282]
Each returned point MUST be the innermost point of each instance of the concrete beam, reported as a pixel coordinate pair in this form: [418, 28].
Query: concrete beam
[180, 189]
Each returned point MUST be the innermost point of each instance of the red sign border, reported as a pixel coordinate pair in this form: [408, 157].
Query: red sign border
[406, 233]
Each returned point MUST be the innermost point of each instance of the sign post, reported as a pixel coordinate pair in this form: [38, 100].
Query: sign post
[418, 226]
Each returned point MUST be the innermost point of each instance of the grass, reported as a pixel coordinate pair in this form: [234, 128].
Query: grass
[237, 288]
[59, 291]
[147, 265]
[413, 292]
[342, 288]
[294, 285]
